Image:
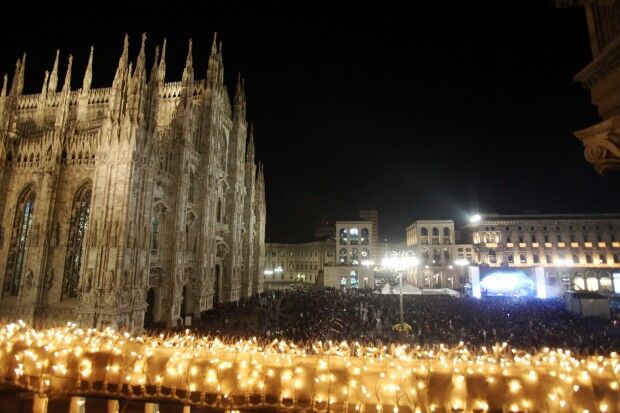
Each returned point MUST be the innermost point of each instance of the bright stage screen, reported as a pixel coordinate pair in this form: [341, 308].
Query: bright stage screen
[513, 283]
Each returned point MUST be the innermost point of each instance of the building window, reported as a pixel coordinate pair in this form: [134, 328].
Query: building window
[77, 232]
[616, 258]
[343, 256]
[219, 210]
[344, 236]
[546, 237]
[511, 259]
[519, 228]
[520, 238]
[446, 232]
[508, 238]
[192, 187]
[548, 259]
[575, 259]
[155, 232]
[534, 238]
[364, 236]
[536, 258]
[522, 258]
[424, 231]
[354, 236]
[435, 232]
[588, 258]
[17, 248]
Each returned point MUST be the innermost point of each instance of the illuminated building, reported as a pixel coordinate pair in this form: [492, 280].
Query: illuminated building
[290, 264]
[571, 252]
[434, 244]
[136, 203]
[356, 254]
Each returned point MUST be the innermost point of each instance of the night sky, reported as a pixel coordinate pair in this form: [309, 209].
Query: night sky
[435, 112]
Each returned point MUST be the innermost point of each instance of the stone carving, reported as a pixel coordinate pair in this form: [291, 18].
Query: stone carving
[28, 280]
[35, 235]
[108, 284]
[88, 282]
[48, 282]
[55, 235]
[93, 234]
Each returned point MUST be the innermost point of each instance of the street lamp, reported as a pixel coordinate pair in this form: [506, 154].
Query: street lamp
[278, 270]
[400, 262]
[366, 264]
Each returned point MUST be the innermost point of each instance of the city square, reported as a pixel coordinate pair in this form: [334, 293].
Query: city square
[260, 207]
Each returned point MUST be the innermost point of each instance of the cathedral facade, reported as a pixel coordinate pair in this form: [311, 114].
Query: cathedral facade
[130, 205]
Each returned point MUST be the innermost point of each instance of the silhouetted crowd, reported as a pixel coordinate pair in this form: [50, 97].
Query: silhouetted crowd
[361, 315]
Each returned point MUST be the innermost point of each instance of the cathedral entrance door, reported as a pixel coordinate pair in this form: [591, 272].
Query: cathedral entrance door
[218, 285]
[149, 316]
[184, 303]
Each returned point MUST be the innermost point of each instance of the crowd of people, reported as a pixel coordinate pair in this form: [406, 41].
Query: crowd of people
[361, 315]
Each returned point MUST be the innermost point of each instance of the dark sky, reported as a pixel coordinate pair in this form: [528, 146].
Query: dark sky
[421, 110]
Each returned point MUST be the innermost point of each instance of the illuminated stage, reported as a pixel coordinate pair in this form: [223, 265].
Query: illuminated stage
[514, 283]
[508, 282]
[204, 372]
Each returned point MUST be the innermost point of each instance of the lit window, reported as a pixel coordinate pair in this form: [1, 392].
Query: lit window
[77, 232]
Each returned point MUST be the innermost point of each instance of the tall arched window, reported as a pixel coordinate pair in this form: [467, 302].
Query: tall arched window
[192, 187]
[424, 231]
[19, 240]
[446, 232]
[364, 236]
[354, 236]
[435, 232]
[77, 232]
[155, 232]
[219, 210]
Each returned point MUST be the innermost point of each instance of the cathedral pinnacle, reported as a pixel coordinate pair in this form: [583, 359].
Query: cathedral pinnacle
[44, 87]
[250, 153]
[188, 60]
[140, 63]
[162, 63]
[88, 75]
[53, 80]
[66, 87]
[4, 82]
[20, 78]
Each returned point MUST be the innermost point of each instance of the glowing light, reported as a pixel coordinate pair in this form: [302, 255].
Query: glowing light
[363, 377]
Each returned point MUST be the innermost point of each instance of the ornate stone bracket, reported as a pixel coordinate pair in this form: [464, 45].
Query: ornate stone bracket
[602, 145]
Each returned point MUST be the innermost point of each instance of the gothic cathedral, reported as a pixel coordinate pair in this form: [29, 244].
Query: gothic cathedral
[130, 205]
